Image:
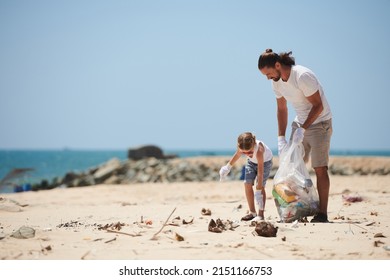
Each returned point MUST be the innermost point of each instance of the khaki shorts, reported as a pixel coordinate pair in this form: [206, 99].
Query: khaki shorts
[317, 142]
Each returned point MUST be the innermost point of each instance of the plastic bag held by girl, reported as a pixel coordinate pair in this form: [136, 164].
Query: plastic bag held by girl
[293, 191]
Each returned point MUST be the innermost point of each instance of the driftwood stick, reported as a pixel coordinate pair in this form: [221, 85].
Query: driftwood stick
[108, 241]
[85, 255]
[155, 235]
[129, 234]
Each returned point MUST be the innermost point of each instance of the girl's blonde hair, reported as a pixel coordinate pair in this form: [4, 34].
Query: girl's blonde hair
[246, 141]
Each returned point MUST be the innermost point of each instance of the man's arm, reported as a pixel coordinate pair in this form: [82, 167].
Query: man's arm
[316, 101]
[282, 114]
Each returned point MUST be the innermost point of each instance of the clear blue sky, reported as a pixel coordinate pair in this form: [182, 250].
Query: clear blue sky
[183, 74]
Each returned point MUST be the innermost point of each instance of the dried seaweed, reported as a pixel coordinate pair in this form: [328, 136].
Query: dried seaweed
[178, 237]
[113, 226]
[219, 226]
[206, 212]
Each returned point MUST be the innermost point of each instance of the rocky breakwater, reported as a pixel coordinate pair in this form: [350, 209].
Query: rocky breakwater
[146, 163]
[165, 169]
[359, 165]
[146, 170]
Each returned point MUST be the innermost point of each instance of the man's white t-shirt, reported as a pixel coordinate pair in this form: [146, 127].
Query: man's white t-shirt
[301, 84]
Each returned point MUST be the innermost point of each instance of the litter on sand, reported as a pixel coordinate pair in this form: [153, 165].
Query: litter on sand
[219, 226]
[352, 198]
[24, 233]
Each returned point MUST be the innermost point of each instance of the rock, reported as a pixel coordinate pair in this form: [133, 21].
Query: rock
[86, 180]
[114, 179]
[106, 170]
[266, 229]
[69, 178]
[147, 151]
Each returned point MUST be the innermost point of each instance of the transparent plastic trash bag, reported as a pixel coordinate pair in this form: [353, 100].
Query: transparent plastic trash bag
[293, 191]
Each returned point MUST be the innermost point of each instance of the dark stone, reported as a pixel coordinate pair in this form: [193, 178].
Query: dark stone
[266, 229]
[69, 177]
[145, 152]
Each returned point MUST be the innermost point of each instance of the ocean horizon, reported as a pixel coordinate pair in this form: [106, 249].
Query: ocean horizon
[49, 164]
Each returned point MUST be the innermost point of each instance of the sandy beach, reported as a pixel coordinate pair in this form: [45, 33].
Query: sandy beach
[167, 221]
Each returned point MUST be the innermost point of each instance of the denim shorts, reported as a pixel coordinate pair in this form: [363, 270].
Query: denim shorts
[251, 172]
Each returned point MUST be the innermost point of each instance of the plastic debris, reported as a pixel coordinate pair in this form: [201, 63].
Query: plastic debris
[294, 224]
[24, 233]
[387, 247]
[352, 198]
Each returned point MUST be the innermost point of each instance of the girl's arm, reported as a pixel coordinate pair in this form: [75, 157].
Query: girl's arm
[235, 157]
[260, 167]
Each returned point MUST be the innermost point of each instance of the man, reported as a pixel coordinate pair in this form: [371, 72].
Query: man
[313, 122]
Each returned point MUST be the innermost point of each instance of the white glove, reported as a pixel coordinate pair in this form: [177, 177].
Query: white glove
[298, 135]
[259, 199]
[282, 144]
[224, 171]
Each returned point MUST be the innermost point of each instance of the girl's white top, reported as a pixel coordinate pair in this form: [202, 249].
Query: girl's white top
[267, 152]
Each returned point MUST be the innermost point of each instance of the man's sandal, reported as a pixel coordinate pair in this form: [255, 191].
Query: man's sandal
[320, 218]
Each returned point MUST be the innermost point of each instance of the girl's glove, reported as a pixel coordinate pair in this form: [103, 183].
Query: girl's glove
[224, 171]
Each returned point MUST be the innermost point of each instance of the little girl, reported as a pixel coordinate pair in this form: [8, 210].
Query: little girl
[259, 165]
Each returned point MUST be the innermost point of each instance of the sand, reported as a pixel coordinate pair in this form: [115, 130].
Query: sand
[164, 221]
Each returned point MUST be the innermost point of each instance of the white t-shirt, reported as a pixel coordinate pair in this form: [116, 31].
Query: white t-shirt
[301, 84]
[267, 153]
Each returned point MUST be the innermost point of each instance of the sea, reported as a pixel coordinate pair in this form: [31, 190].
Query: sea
[49, 164]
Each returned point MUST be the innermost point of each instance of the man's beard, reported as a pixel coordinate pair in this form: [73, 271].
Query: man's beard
[278, 77]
